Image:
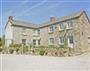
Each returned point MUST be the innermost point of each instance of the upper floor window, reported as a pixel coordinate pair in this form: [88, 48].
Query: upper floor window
[62, 26]
[36, 31]
[51, 40]
[51, 28]
[24, 31]
[69, 24]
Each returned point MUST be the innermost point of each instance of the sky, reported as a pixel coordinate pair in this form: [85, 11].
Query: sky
[39, 11]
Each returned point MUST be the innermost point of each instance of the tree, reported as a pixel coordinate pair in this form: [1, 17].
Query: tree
[0, 42]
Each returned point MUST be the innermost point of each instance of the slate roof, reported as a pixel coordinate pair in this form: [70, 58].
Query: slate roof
[21, 23]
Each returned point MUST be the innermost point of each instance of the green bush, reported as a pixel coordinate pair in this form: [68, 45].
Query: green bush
[41, 52]
[15, 45]
[11, 51]
[1, 49]
[61, 46]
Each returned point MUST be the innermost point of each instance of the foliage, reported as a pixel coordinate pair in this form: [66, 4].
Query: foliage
[42, 52]
[1, 49]
[15, 45]
[0, 41]
[61, 46]
[25, 49]
[11, 51]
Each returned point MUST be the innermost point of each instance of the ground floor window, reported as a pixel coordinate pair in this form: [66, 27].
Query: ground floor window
[38, 42]
[88, 40]
[71, 39]
[51, 40]
[34, 42]
[24, 41]
[61, 40]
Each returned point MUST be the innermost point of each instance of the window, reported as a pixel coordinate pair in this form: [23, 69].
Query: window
[24, 31]
[70, 24]
[34, 42]
[24, 41]
[38, 42]
[61, 40]
[71, 39]
[36, 31]
[62, 26]
[51, 28]
[88, 40]
[51, 40]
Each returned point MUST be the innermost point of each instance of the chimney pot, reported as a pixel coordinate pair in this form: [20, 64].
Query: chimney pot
[10, 18]
[52, 19]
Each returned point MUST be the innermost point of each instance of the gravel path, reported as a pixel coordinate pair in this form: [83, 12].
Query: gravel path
[44, 63]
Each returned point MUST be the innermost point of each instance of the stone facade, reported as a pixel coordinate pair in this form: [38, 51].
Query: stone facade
[75, 28]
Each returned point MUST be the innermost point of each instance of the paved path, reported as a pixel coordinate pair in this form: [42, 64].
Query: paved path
[44, 63]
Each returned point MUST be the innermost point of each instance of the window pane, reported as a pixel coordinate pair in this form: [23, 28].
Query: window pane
[89, 40]
[71, 39]
[70, 24]
[62, 26]
[34, 42]
[38, 42]
[52, 40]
[51, 28]
[24, 41]
[61, 40]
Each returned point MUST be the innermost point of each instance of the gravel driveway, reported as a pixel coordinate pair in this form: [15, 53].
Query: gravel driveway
[44, 63]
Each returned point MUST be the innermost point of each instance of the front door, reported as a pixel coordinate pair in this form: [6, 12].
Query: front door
[70, 41]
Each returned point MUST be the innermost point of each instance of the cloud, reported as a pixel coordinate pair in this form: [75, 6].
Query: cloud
[24, 2]
[27, 10]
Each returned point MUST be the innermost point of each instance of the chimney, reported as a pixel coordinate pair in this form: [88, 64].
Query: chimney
[52, 19]
[10, 18]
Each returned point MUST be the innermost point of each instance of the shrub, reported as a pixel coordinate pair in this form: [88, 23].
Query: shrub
[42, 52]
[1, 49]
[11, 51]
[61, 46]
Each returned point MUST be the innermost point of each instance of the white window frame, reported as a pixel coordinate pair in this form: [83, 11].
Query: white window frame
[24, 42]
[61, 26]
[60, 40]
[34, 42]
[51, 42]
[51, 28]
[88, 40]
[69, 25]
[71, 40]
[24, 30]
[36, 32]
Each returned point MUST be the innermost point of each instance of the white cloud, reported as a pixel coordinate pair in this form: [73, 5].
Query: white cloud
[27, 10]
